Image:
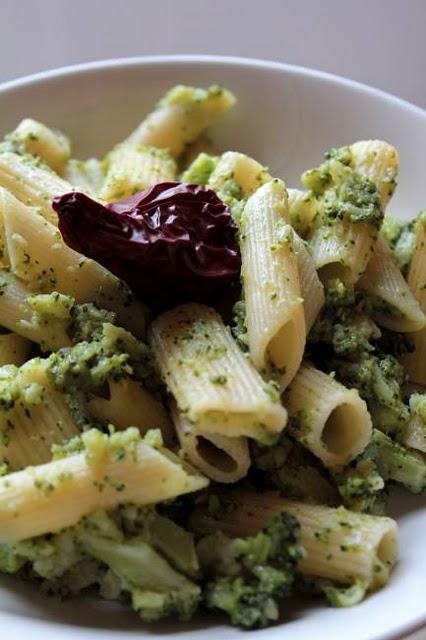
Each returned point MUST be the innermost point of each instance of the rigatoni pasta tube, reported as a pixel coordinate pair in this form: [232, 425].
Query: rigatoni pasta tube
[38, 256]
[33, 185]
[87, 175]
[327, 418]
[415, 362]
[14, 349]
[340, 545]
[132, 169]
[219, 457]
[213, 384]
[181, 116]
[39, 418]
[274, 305]
[395, 305]
[58, 494]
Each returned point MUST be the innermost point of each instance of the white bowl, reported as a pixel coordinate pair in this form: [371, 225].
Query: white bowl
[286, 117]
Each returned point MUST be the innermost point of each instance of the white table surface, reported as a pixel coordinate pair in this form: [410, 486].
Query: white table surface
[379, 42]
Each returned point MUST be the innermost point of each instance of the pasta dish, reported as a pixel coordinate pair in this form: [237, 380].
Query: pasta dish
[209, 381]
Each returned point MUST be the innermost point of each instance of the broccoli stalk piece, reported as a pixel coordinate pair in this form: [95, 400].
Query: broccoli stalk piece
[397, 463]
[155, 588]
[246, 577]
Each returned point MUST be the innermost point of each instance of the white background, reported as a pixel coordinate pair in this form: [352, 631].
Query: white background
[379, 42]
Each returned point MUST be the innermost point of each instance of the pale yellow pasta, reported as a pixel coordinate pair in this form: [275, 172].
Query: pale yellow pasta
[17, 315]
[302, 209]
[342, 249]
[212, 382]
[379, 161]
[135, 168]
[38, 419]
[311, 287]
[49, 497]
[181, 116]
[397, 308]
[87, 176]
[33, 185]
[38, 256]
[415, 362]
[340, 545]
[130, 405]
[219, 457]
[50, 145]
[14, 349]
[239, 168]
[327, 418]
[274, 304]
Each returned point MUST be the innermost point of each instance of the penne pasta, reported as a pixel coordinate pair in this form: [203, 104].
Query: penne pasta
[35, 138]
[132, 169]
[87, 176]
[274, 306]
[219, 457]
[327, 418]
[39, 257]
[340, 545]
[212, 382]
[49, 497]
[181, 116]
[129, 405]
[302, 210]
[379, 161]
[342, 250]
[32, 184]
[14, 349]
[237, 175]
[30, 427]
[414, 362]
[394, 305]
[311, 287]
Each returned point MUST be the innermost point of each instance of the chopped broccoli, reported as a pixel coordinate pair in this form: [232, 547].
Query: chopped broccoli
[401, 238]
[200, 170]
[64, 321]
[119, 552]
[362, 487]
[246, 577]
[396, 462]
[239, 327]
[344, 193]
[343, 596]
[87, 365]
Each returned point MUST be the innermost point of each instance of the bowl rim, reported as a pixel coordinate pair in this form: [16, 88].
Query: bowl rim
[210, 59]
[206, 59]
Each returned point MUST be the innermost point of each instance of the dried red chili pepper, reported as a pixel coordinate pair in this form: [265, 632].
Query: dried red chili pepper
[171, 243]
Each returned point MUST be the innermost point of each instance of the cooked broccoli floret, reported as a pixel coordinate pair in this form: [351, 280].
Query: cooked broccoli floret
[63, 321]
[239, 327]
[401, 238]
[113, 353]
[396, 462]
[378, 380]
[344, 193]
[247, 577]
[362, 488]
[200, 170]
[119, 553]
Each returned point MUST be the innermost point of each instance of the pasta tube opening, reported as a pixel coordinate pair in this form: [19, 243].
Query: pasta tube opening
[343, 429]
